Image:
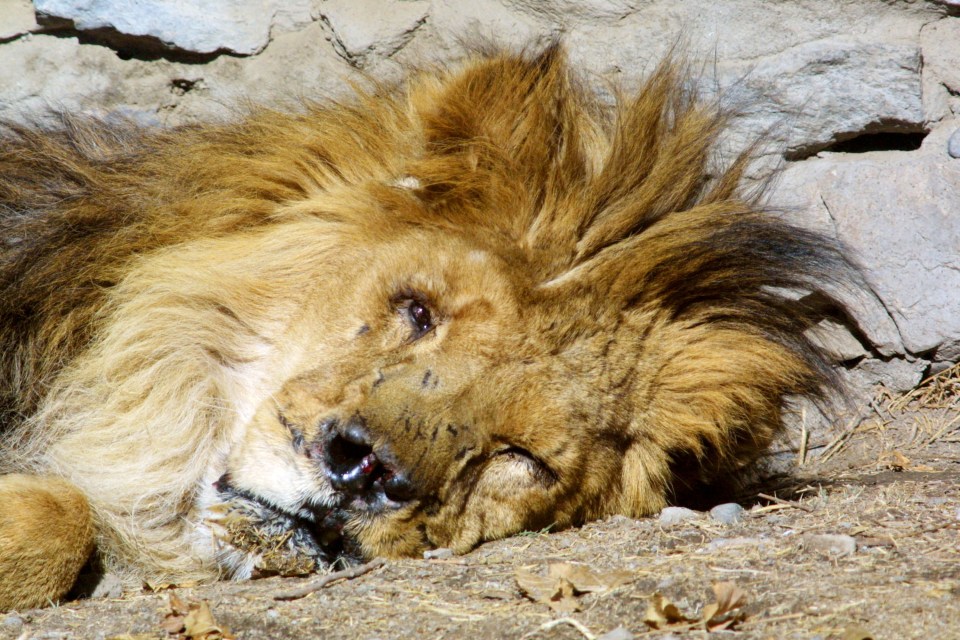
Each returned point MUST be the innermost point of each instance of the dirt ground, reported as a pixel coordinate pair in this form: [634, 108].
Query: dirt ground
[860, 541]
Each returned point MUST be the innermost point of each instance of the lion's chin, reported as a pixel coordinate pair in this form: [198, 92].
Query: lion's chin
[256, 538]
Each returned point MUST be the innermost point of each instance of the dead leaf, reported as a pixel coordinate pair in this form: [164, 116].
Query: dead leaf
[586, 580]
[173, 620]
[896, 461]
[177, 606]
[538, 588]
[166, 586]
[661, 613]
[172, 623]
[193, 621]
[875, 541]
[856, 632]
[565, 581]
[724, 613]
[564, 600]
[720, 615]
[554, 591]
[200, 625]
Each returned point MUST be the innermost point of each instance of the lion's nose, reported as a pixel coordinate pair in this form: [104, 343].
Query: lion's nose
[356, 470]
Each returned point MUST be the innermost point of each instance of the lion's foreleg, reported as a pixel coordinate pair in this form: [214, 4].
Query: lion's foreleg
[46, 536]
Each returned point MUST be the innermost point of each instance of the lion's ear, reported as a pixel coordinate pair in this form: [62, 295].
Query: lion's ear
[503, 102]
[512, 131]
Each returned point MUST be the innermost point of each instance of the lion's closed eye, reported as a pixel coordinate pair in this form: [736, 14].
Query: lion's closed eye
[520, 463]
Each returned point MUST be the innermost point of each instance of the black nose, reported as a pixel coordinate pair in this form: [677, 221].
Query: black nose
[357, 471]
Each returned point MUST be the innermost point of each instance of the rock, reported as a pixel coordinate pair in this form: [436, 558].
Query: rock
[947, 353]
[676, 515]
[274, 76]
[665, 583]
[214, 25]
[896, 374]
[897, 212]
[563, 10]
[362, 28]
[437, 554]
[492, 19]
[953, 144]
[941, 57]
[620, 520]
[836, 88]
[939, 75]
[12, 624]
[836, 340]
[44, 72]
[836, 545]
[109, 586]
[620, 633]
[18, 18]
[729, 513]
[735, 543]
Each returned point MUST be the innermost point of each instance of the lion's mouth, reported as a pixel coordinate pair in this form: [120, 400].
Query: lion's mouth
[301, 537]
[280, 542]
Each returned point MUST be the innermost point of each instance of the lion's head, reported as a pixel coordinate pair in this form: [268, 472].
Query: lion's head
[546, 311]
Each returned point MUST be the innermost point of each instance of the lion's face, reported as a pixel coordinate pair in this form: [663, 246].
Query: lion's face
[453, 401]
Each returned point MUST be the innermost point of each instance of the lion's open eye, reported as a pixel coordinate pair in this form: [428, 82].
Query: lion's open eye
[420, 317]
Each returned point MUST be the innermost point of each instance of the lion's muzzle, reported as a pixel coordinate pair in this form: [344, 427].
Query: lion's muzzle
[368, 479]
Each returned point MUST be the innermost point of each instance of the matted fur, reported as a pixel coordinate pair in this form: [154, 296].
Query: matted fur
[180, 304]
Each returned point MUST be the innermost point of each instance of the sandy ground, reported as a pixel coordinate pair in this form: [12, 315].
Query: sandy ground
[860, 541]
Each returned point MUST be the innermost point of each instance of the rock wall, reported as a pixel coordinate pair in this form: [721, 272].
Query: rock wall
[861, 99]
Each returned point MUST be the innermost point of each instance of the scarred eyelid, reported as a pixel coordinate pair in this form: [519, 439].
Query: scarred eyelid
[541, 469]
[406, 294]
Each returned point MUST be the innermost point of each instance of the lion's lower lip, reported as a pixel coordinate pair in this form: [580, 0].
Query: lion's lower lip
[282, 538]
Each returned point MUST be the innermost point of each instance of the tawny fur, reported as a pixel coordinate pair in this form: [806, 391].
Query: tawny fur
[605, 306]
[46, 536]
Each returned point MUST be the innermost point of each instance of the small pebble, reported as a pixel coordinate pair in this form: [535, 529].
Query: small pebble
[620, 633]
[437, 554]
[676, 515]
[272, 614]
[727, 543]
[953, 144]
[12, 623]
[830, 544]
[666, 583]
[729, 513]
[110, 586]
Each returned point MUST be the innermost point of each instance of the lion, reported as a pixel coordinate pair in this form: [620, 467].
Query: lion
[442, 311]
